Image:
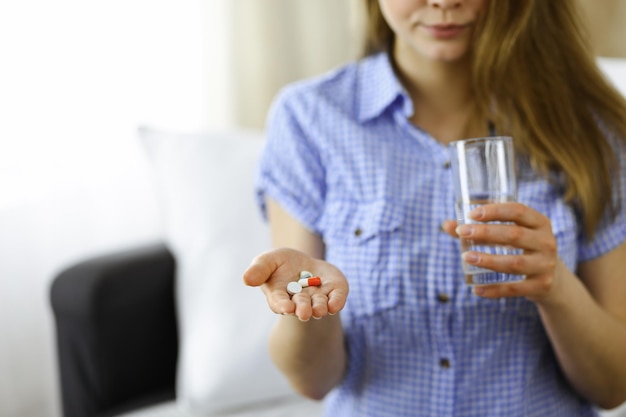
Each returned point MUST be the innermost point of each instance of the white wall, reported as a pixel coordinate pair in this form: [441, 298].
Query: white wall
[76, 79]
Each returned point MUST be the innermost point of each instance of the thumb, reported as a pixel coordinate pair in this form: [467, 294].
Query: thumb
[260, 270]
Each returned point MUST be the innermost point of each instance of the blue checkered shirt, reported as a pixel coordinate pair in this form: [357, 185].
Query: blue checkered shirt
[342, 158]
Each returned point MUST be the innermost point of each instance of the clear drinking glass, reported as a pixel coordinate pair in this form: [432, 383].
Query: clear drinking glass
[484, 173]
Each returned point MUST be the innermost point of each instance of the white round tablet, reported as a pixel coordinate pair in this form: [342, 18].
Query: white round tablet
[294, 288]
[305, 274]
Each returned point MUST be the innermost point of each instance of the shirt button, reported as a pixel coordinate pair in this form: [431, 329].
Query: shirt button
[358, 232]
[443, 298]
[447, 165]
[444, 363]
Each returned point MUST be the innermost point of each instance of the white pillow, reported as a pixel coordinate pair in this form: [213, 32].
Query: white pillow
[213, 228]
[615, 70]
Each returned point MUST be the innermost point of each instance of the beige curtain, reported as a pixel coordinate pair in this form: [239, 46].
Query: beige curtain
[607, 25]
[275, 42]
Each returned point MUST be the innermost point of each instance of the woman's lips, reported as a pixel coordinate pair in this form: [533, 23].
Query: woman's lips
[444, 31]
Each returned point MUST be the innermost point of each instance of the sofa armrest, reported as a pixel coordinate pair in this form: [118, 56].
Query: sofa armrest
[116, 331]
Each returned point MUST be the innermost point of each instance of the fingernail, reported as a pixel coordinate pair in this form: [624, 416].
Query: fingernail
[477, 213]
[464, 230]
[478, 290]
[470, 257]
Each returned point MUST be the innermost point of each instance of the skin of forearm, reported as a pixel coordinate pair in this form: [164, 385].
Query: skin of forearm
[589, 342]
[311, 354]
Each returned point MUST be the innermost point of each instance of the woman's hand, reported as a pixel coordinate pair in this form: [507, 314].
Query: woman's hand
[273, 270]
[530, 231]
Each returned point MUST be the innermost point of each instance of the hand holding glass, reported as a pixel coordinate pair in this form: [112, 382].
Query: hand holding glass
[484, 173]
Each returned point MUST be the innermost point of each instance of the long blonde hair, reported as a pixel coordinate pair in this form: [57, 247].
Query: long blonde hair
[535, 75]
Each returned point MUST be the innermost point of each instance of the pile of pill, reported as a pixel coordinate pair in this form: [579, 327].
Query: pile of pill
[306, 280]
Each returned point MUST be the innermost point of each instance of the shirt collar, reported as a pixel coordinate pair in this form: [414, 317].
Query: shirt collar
[380, 88]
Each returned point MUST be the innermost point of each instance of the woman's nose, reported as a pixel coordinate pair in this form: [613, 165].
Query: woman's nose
[445, 4]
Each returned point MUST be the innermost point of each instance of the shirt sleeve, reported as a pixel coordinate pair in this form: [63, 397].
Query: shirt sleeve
[611, 231]
[290, 169]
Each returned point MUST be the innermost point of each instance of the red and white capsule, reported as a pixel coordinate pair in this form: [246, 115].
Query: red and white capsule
[310, 282]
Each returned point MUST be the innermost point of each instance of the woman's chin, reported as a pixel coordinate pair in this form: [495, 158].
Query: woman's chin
[447, 55]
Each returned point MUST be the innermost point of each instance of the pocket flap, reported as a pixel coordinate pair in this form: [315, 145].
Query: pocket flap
[360, 221]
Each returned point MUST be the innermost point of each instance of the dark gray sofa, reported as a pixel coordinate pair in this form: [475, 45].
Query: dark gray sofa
[116, 331]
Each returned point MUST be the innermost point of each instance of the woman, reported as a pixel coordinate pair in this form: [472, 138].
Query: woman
[355, 182]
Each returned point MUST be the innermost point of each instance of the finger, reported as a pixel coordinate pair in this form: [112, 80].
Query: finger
[303, 310]
[336, 300]
[319, 304]
[259, 271]
[510, 212]
[449, 226]
[532, 263]
[279, 301]
[502, 234]
[499, 290]
[529, 288]
[264, 265]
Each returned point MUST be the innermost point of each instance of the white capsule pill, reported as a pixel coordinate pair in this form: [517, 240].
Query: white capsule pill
[305, 274]
[294, 288]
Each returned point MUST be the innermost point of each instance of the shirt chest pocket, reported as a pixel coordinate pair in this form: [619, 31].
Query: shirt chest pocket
[364, 239]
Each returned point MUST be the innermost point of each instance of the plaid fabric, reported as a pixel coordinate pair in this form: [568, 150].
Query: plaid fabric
[342, 158]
